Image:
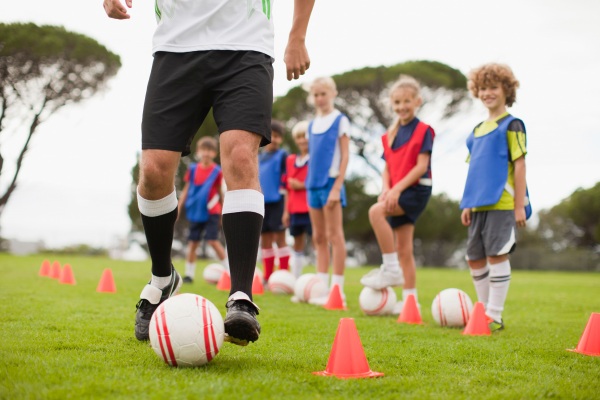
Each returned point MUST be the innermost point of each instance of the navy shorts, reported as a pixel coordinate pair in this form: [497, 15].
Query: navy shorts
[273, 217]
[210, 229]
[299, 224]
[183, 87]
[317, 198]
[413, 201]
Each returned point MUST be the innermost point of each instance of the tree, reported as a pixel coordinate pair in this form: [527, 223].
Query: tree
[42, 69]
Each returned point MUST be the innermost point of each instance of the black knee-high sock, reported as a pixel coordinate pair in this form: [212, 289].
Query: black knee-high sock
[159, 235]
[242, 234]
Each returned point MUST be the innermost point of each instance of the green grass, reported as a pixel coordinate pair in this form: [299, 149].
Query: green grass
[61, 341]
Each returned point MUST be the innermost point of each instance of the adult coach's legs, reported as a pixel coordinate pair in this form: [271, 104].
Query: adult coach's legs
[243, 211]
[157, 202]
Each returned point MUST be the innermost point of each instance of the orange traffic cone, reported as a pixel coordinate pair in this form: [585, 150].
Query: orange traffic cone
[478, 322]
[224, 282]
[55, 270]
[257, 285]
[410, 312]
[66, 275]
[335, 301]
[589, 344]
[347, 358]
[45, 268]
[107, 283]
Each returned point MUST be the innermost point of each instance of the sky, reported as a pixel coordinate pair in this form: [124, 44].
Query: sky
[75, 183]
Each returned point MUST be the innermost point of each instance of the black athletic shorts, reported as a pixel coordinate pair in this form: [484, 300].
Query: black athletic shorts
[413, 201]
[183, 87]
[272, 221]
[299, 224]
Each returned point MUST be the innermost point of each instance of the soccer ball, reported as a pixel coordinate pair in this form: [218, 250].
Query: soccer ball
[186, 330]
[309, 286]
[282, 281]
[212, 273]
[452, 307]
[377, 301]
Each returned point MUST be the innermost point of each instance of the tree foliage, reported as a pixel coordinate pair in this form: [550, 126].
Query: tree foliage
[43, 68]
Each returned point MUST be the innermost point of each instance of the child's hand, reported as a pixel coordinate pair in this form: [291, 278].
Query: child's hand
[382, 195]
[285, 219]
[391, 200]
[465, 217]
[295, 184]
[520, 217]
[333, 198]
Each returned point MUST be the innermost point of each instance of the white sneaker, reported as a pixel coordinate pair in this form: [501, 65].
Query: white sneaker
[381, 278]
[294, 299]
[321, 301]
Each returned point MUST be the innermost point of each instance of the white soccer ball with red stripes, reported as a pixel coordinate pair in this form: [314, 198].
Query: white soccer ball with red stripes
[186, 330]
[212, 273]
[282, 281]
[377, 301]
[452, 307]
[309, 286]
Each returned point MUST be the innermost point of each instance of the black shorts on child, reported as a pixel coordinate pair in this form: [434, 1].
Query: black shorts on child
[413, 201]
[299, 224]
[210, 229]
[273, 217]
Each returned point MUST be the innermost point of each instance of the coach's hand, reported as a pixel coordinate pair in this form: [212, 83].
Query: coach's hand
[115, 9]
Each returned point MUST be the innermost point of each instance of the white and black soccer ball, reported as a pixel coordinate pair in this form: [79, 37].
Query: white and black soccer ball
[309, 286]
[377, 301]
[212, 273]
[282, 281]
[452, 307]
[186, 330]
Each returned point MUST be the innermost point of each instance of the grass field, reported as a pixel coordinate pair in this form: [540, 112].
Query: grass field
[60, 341]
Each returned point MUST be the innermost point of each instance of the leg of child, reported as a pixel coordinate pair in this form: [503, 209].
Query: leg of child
[283, 251]
[404, 245]
[268, 254]
[335, 236]
[298, 262]
[480, 273]
[317, 219]
[500, 274]
[218, 248]
[190, 260]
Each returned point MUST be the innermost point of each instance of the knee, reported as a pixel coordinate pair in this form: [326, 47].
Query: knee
[319, 239]
[375, 212]
[155, 176]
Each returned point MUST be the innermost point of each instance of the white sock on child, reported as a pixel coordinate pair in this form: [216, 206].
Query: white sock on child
[499, 282]
[390, 262]
[481, 281]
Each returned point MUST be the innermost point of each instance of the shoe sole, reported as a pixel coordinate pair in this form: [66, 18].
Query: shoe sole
[241, 331]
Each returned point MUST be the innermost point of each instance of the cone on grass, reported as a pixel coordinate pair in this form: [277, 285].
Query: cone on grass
[410, 312]
[55, 270]
[347, 358]
[335, 301]
[478, 322]
[66, 275]
[257, 285]
[224, 282]
[107, 282]
[589, 344]
[45, 268]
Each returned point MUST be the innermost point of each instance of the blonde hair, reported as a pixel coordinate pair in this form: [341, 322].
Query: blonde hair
[403, 82]
[492, 73]
[300, 129]
[326, 81]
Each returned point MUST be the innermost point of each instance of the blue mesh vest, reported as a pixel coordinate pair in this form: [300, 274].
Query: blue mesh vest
[321, 148]
[196, 203]
[269, 165]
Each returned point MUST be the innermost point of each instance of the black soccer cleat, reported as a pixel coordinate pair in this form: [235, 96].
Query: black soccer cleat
[188, 279]
[150, 298]
[241, 325]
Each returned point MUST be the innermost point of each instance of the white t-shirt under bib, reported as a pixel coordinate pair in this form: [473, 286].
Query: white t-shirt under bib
[201, 25]
[321, 124]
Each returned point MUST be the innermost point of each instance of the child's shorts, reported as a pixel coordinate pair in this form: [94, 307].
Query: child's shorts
[299, 224]
[210, 229]
[413, 201]
[273, 214]
[491, 233]
[317, 198]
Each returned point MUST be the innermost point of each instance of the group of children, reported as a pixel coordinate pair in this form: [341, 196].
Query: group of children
[305, 192]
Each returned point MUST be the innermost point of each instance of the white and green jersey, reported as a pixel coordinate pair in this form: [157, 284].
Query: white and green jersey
[199, 25]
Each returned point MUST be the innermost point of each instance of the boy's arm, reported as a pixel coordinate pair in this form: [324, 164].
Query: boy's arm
[296, 56]
[520, 189]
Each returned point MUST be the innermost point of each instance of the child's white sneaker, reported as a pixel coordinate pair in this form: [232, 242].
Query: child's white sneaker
[381, 278]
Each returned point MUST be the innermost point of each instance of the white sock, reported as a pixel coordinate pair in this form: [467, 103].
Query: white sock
[407, 292]
[160, 281]
[390, 262]
[481, 281]
[297, 263]
[499, 282]
[324, 276]
[190, 269]
[338, 280]
[225, 263]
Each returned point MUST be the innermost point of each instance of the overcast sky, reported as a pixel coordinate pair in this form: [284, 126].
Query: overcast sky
[75, 183]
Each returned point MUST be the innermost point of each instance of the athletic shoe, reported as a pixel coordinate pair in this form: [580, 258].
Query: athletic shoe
[188, 279]
[294, 299]
[381, 278]
[241, 326]
[321, 301]
[495, 326]
[150, 298]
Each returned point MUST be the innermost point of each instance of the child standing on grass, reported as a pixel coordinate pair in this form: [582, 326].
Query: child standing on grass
[296, 215]
[407, 147]
[495, 196]
[202, 198]
[328, 137]
[272, 164]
